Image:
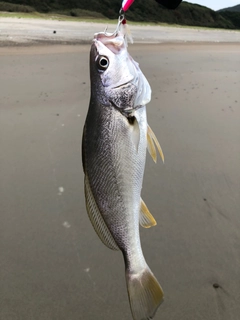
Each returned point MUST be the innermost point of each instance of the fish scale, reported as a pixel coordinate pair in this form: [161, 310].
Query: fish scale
[111, 169]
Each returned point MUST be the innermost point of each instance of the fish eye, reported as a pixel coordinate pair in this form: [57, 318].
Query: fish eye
[103, 63]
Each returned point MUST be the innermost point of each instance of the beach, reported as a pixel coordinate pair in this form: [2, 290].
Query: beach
[52, 265]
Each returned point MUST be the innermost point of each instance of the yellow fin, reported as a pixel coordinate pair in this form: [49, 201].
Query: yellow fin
[96, 218]
[146, 220]
[151, 137]
[151, 147]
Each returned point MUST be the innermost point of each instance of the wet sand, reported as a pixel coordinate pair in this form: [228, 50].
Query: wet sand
[52, 264]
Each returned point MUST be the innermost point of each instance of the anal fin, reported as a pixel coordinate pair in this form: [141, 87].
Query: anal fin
[146, 219]
[96, 218]
[152, 141]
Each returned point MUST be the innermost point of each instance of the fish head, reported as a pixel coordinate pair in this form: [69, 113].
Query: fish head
[116, 78]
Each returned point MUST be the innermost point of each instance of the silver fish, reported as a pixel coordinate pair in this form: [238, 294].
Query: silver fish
[115, 139]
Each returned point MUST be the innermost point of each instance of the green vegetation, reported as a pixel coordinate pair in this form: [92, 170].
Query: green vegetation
[234, 9]
[21, 11]
[141, 11]
[10, 7]
[53, 16]
[232, 16]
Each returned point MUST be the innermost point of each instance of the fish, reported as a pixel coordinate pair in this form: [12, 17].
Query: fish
[115, 139]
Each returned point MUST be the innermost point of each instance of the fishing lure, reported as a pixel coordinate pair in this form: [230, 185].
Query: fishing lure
[126, 4]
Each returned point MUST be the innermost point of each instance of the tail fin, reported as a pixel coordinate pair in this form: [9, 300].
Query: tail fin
[145, 294]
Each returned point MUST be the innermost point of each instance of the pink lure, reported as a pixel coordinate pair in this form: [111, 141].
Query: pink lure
[126, 4]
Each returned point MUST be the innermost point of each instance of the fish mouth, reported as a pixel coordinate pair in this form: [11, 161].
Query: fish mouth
[114, 43]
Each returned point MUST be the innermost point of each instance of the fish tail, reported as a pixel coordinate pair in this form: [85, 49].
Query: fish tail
[144, 292]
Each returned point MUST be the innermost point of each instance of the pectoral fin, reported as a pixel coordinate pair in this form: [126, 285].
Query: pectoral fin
[151, 148]
[135, 130]
[152, 141]
[97, 220]
[146, 220]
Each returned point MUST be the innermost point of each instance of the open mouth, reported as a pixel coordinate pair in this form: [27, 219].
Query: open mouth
[114, 42]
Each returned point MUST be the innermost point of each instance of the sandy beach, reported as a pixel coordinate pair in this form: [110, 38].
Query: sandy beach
[52, 264]
[37, 31]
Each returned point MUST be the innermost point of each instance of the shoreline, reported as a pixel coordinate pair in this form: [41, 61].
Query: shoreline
[45, 43]
[28, 32]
